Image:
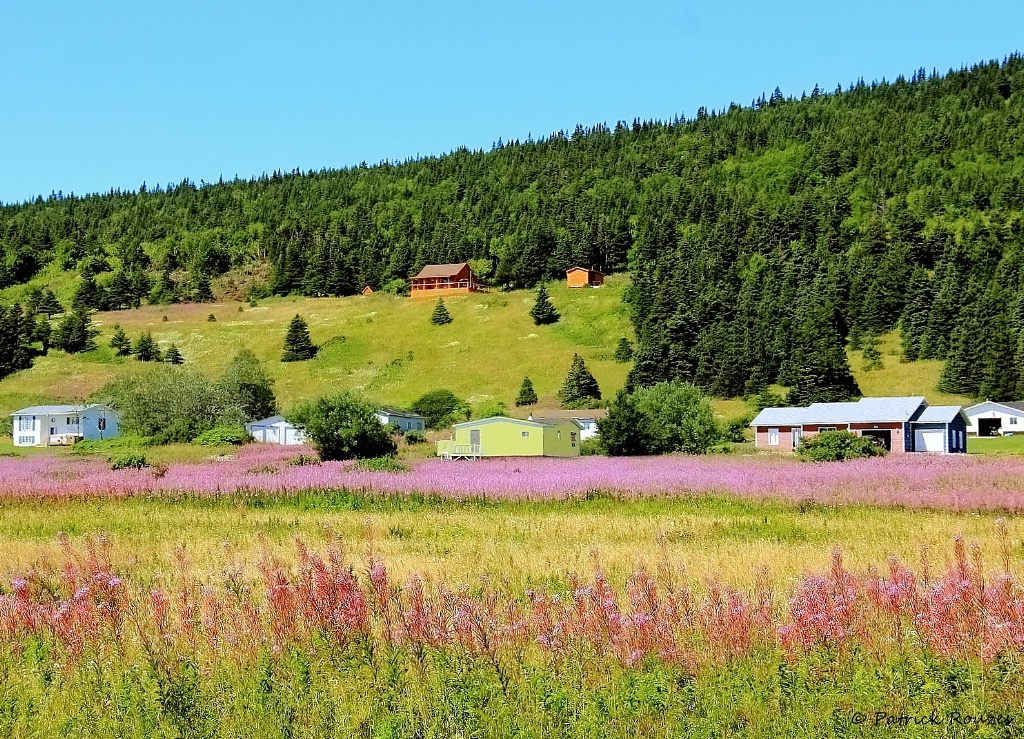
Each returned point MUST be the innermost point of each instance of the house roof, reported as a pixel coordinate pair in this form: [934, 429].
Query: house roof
[578, 415]
[865, 410]
[535, 422]
[441, 270]
[1014, 405]
[388, 411]
[56, 410]
[584, 269]
[272, 420]
[938, 414]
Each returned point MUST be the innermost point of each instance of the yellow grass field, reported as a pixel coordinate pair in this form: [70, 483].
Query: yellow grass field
[519, 543]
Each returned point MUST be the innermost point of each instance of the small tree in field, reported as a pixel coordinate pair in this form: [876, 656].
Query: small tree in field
[297, 344]
[527, 395]
[440, 316]
[146, 349]
[580, 389]
[75, 333]
[173, 356]
[623, 351]
[343, 427]
[543, 311]
[120, 342]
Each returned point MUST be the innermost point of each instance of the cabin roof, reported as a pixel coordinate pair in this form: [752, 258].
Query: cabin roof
[441, 270]
[584, 269]
[865, 410]
[55, 410]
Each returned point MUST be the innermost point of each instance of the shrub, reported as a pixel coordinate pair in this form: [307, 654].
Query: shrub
[441, 408]
[837, 446]
[129, 461]
[343, 427]
[220, 435]
[415, 437]
[397, 286]
[382, 464]
[489, 409]
[211, 318]
[735, 430]
[248, 384]
[591, 447]
[667, 417]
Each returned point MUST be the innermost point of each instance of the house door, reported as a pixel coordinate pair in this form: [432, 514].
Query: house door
[797, 434]
[474, 438]
[989, 426]
[882, 436]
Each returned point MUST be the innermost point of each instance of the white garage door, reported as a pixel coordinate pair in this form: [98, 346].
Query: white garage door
[928, 440]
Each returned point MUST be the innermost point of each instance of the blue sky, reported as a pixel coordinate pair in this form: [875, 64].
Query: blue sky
[97, 94]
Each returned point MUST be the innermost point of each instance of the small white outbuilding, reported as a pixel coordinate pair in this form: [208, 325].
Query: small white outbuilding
[276, 430]
[992, 418]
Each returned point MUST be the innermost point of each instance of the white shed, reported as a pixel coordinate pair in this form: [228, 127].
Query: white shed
[402, 419]
[276, 430]
[992, 418]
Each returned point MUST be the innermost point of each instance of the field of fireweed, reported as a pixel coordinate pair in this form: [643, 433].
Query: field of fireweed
[252, 596]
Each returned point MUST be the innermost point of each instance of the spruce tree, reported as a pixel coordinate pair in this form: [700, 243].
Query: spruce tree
[173, 356]
[88, 295]
[961, 374]
[120, 342]
[580, 389]
[623, 351]
[297, 344]
[43, 332]
[823, 371]
[49, 305]
[527, 395]
[440, 316]
[871, 355]
[75, 333]
[146, 349]
[543, 312]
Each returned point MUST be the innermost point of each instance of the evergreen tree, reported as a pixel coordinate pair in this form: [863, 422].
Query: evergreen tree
[49, 305]
[165, 291]
[146, 349]
[75, 333]
[961, 375]
[297, 344]
[33, 300]
[580, 389]
[999, 374]
[120, 342]
[119, 293]
[16, 335]
[823, 371]
[440, 316]
[872, 356]
[623, 351]
[202, 291]
[543, 312]
[527, 395]
[88, 296]
[173, 356]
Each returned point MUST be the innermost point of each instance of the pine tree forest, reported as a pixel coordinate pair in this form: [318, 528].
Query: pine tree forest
[757, 237]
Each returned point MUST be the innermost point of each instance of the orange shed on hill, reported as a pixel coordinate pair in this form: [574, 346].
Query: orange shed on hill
[583, 277]
[366, 291]
[443, 279]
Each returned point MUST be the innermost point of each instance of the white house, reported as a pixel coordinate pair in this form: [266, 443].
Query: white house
[276, 430]
[60, 425]
[990, 418]
[587, 419]
[403, 419]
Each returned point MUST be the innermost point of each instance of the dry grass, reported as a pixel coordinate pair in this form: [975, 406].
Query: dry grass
[524, 543]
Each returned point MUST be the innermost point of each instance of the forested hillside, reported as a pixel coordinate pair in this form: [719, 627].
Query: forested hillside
[761, 239]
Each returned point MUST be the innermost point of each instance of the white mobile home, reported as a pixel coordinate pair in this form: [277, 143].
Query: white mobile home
[402, 419]
[993, 418]
[276, 430]
[60, 425]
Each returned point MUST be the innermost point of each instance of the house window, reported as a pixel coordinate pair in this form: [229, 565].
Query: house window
[572, 437]
[1013, 420]
[27, 423]
[26, 440]
[773, 437]
[826, 428]
[525, 434]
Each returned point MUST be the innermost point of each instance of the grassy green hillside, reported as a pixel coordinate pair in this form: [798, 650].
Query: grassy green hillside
[385, 347]
[381, 345]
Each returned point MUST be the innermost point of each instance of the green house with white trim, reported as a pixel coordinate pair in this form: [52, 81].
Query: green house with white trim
[500, 436]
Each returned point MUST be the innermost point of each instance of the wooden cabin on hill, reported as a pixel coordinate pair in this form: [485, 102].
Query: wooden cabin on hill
[437, 280]
[583, 277]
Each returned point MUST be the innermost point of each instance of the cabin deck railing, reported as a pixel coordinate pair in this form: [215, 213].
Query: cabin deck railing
[459, 451]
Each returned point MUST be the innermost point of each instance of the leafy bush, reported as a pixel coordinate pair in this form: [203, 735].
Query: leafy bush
[837, 446]
[735, 430]
[591, 447]
[441, 408]
[668, 417]
[6, 426]
[415, 437]
[397, 286]
[129, 461]
[382, 464]
[489, 409]
[343, 427]
[221, 435]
